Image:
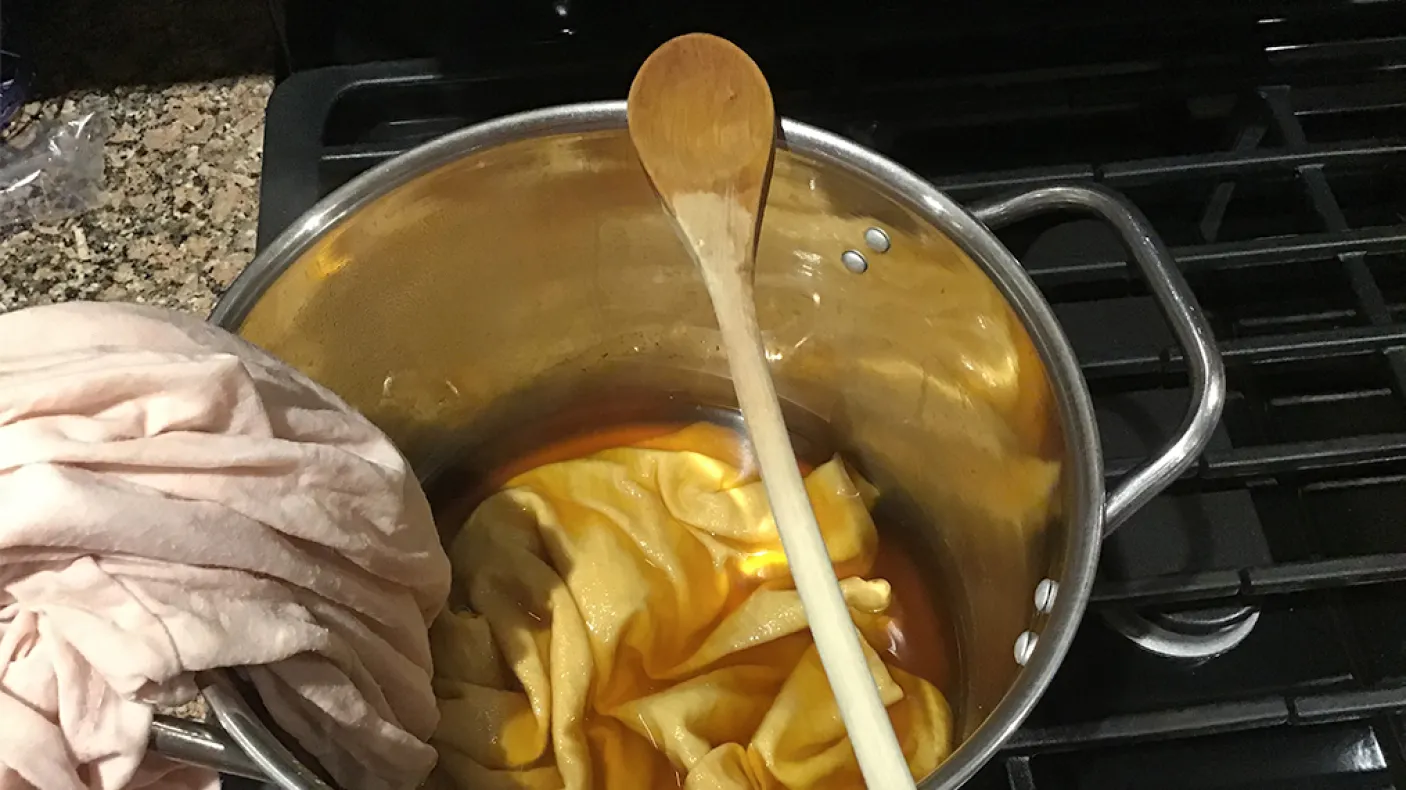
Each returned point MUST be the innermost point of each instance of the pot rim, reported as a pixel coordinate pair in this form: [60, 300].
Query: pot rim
[1083, 461]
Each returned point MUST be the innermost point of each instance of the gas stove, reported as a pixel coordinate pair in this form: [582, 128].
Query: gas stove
[1249, 626]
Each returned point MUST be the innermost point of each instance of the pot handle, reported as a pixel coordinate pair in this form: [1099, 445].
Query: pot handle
[1178, 305]
[241, 745]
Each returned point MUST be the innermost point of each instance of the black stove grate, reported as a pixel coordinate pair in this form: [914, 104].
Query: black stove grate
[1272, 158]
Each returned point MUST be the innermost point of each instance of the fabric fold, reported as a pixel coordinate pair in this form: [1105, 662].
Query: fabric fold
[176, 500]
[629, 621]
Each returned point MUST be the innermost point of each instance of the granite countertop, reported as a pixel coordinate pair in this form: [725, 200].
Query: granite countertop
[176, 220]
[177, 217]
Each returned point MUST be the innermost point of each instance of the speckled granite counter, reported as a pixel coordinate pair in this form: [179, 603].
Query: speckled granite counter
[176, 223]
[177, 219]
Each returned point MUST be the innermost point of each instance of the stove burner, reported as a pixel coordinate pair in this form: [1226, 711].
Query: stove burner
[1189, 635]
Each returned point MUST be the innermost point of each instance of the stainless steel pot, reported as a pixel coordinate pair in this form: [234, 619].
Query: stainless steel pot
[487, 276]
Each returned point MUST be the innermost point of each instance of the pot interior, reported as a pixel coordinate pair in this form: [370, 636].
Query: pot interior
[530, 290]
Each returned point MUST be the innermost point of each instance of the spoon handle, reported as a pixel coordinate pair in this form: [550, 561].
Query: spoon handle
[881, 759]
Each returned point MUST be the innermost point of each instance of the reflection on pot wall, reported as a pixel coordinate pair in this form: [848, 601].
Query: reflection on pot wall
[528, 271]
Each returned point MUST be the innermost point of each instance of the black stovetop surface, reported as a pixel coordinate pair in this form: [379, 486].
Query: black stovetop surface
[1267, 144]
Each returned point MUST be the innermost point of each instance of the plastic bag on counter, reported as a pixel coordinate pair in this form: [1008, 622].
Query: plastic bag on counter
[52, 169]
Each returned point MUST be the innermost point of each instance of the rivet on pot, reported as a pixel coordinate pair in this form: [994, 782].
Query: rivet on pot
[1025, 646]
[855, 261]
[1045, 593]
[877, 239]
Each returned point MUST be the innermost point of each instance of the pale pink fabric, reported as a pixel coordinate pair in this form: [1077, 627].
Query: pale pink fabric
[172, 500]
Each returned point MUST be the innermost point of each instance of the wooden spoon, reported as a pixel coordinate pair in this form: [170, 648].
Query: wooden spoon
[701, 119]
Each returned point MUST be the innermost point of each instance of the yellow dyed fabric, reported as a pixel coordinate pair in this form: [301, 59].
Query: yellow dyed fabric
[627, 621]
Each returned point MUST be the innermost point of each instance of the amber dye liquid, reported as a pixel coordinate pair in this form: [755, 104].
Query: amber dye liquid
[922, 637]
